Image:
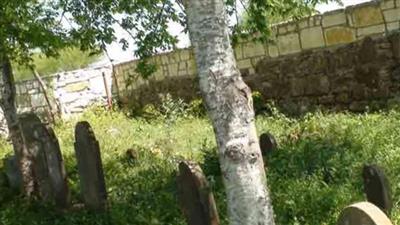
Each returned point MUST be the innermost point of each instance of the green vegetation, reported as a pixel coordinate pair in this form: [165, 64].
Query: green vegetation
[315, 172]
[69, 59]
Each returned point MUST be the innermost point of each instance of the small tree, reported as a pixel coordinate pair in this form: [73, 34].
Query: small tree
[25, 26]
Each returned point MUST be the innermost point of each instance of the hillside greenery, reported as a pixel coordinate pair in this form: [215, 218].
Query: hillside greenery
[69, 59]
[315, 172]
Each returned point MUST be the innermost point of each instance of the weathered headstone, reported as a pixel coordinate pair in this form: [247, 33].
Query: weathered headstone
[363, 213]
[90, 168]
[48, 166]
[132, 155]
[195, 196]
[267, 143]
[377, 188]
[13, 175]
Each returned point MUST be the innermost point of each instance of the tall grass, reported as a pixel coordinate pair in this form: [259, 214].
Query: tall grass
[315, 172]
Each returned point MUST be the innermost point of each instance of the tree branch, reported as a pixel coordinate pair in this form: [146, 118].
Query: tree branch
[44, 89]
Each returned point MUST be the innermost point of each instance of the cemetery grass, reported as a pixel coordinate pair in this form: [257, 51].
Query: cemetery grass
[315, 172]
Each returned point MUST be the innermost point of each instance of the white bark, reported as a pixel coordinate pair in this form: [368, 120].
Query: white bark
[7, 103]
[229, 104]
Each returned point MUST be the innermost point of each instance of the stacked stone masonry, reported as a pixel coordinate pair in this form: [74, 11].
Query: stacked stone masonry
[76, 90]
[69, 93]
[30, 96]
[353, 76]
[315, 37]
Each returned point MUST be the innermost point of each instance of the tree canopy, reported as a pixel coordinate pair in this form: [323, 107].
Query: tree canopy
[28, 26]
[147, 21]
[32, 26]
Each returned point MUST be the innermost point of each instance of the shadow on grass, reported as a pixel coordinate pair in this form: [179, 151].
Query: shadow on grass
[311, 179]
[138, 193]
[314, 178]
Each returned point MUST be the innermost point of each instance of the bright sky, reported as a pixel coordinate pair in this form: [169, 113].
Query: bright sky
[118, 55]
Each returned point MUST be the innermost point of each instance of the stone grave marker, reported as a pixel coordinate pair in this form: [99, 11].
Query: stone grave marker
[90, 169]
[48, 166]
[13, 175]
[377, 188]
[363, 213]
[195, 196]
[267, 143]
[132, 155]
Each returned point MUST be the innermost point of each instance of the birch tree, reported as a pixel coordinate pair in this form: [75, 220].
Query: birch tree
[227, 97]
[229, 104]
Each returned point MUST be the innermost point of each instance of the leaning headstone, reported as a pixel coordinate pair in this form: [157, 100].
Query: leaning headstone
[363, 213]
[267, 143]
[195, 196]
[13, 175]
[377, 188]
[92, 183]
[42, 146]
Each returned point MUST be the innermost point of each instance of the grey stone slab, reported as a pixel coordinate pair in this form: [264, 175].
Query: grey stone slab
[43, 149]
[92, 183]
[195, 196]
[377, 188]
[363, 213]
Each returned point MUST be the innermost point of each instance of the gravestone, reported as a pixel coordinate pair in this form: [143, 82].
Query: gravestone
[13, 175]
[363, 213]
[132, 155]
[195, 196]
[42, 147]
[377, 188]
[267, 143]
[92, 183]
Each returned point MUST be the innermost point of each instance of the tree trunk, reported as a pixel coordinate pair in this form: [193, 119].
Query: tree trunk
[7, 103]
[46, 96]
[229, 104]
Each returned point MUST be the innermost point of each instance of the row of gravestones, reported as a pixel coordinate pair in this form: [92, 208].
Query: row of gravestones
[195, 195]
[49, 175]
[198, 205]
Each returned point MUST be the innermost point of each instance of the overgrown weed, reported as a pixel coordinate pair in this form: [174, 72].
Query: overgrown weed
[315, 172]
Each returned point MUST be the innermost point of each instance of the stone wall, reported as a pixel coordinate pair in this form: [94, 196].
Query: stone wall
[176, 70]
[30, 95]
[174, 75]
[29, 98]
[76, 90]
[361, 74]
[69, 92]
